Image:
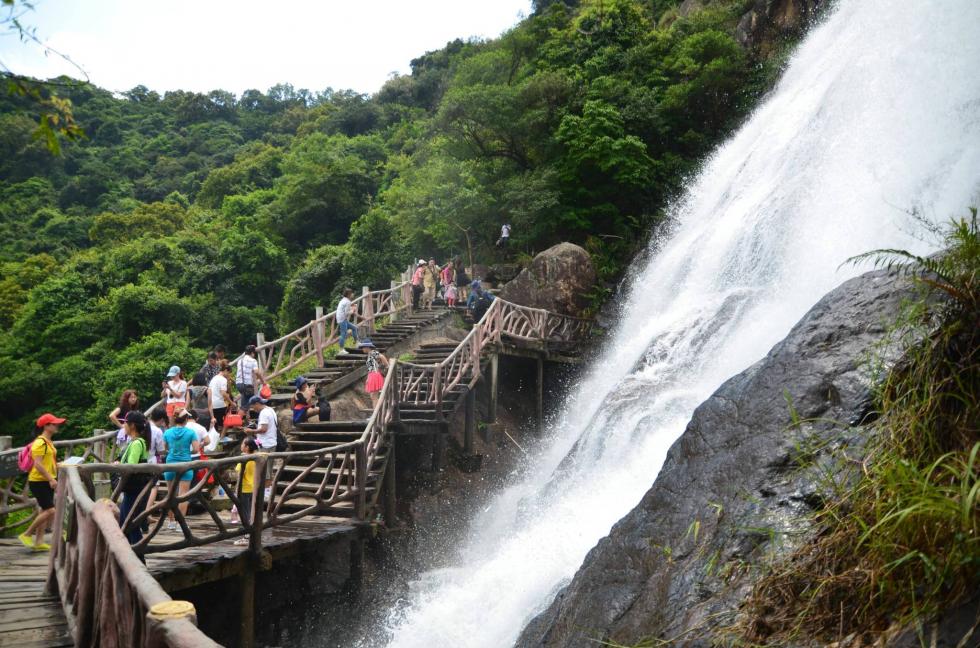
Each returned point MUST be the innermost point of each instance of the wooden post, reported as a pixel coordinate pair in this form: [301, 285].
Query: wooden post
[396, 297]
[437, 390]
[263, 358]
[246, 587]
[367, 314]
[318, 336]
[494, 362]
[540, 394]
[469, 427]
[360, 477]
[158, 616]
[390, 487]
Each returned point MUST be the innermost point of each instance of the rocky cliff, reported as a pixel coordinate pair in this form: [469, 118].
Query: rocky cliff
[734, 491]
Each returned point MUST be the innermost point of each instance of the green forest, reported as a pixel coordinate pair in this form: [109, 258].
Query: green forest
[183, 220]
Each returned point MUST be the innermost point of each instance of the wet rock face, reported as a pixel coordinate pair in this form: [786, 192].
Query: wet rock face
[734, 489]
[766, 22]
[557, 280]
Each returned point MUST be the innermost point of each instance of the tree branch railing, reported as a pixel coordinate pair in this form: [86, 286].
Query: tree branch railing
[109, 597]
[14, 494]
[423, 384]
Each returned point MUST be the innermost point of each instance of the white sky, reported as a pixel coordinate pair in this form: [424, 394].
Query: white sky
[234, 45]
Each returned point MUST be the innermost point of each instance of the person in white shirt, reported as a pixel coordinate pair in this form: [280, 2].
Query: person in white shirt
[344, 326]
[504, 236]
[267, 429]
[174, 391]
[218, 397]
[202, 434]
[249, 375]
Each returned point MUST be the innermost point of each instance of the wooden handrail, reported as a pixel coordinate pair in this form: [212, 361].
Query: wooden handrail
[14, 493]
[109, 597]
[430, 383]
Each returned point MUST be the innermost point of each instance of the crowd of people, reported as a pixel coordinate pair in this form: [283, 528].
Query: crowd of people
[191, 416]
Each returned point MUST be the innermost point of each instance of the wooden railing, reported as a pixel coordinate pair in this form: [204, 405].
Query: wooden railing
[14, 495]
[278, 356]
[109, 597]
[418, 383]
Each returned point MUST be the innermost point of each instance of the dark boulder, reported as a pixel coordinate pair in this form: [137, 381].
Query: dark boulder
[558, 279]
[732, 491]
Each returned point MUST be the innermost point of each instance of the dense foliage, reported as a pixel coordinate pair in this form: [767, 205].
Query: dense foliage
[188, 219]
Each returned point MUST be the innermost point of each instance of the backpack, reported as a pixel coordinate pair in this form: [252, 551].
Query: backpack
[480, 307]
[281, 443]
[25, 460]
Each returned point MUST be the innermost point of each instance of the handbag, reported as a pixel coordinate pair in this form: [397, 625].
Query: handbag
[266, 392]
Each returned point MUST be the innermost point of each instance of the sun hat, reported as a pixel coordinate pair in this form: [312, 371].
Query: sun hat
[49, 419]
[421, 262]
[174, 370]
[300, 381]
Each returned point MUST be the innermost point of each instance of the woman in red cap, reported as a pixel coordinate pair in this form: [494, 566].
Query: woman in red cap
[42, 480]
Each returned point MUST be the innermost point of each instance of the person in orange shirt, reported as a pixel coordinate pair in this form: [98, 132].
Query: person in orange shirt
[42, 480]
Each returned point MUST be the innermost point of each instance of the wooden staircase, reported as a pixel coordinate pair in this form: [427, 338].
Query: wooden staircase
[327, 434]
[428, 413]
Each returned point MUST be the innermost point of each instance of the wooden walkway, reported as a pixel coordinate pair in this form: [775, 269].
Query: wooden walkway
[183, 568]
[28, 617]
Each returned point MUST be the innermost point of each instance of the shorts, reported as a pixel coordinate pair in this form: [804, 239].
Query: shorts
[300, 415]
[173, 407]
[43, 493]
[187, 475]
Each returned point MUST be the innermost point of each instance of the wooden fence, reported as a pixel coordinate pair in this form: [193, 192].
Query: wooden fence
[418, 383]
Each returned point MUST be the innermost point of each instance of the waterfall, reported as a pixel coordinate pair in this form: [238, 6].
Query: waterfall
[876, 115]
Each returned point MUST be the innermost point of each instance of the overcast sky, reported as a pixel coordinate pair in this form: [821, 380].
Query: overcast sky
[239, 44]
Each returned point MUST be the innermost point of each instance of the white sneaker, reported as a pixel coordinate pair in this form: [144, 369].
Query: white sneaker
[342, 352]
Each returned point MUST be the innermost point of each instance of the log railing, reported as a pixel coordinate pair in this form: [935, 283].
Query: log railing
[14, 495]
[109, 597]
[419, 383]
[278, 356]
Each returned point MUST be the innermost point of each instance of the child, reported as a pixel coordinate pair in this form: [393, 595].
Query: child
[302, 403]
[451, 294]
[375, 379]
[247, 478]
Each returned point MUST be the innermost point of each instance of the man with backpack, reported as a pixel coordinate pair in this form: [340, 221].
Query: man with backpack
[479, 301]
[39, 460]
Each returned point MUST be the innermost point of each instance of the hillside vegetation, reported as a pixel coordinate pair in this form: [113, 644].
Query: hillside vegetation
[184, 220]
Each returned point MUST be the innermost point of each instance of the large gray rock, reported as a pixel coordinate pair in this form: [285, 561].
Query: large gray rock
[558, 279]
[731, 490]
[767, 22]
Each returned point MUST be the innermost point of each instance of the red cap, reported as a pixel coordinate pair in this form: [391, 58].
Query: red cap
[48, 419]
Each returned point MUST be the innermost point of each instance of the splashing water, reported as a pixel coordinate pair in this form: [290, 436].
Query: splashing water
[878, 113]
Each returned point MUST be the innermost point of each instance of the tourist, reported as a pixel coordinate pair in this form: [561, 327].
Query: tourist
[159, 421]
[504, 236]
[430, 277]
[249, 375]
[218, 397]
[42, 481]
[479, 301]
[302, 403]
[451, 293]
[174, 391]
[375, 379]
[198, 393]
[246, 471]
[211, 367]
[267, 429]
[219, 351]
[137, 452]
[448, 275]
[180, 442]
[417, 283]
[127, 402]
[197, 424]
[344, 326]
[462, 280]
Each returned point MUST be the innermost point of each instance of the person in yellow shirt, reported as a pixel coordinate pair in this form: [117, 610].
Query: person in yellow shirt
[42, 481]
[246, 472]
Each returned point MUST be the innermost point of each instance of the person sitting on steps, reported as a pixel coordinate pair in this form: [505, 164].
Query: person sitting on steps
[302, 405]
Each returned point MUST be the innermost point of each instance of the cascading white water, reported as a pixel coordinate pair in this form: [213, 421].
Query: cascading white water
[877, 113]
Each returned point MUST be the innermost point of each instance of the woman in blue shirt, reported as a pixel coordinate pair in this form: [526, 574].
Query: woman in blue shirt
[180, 441]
